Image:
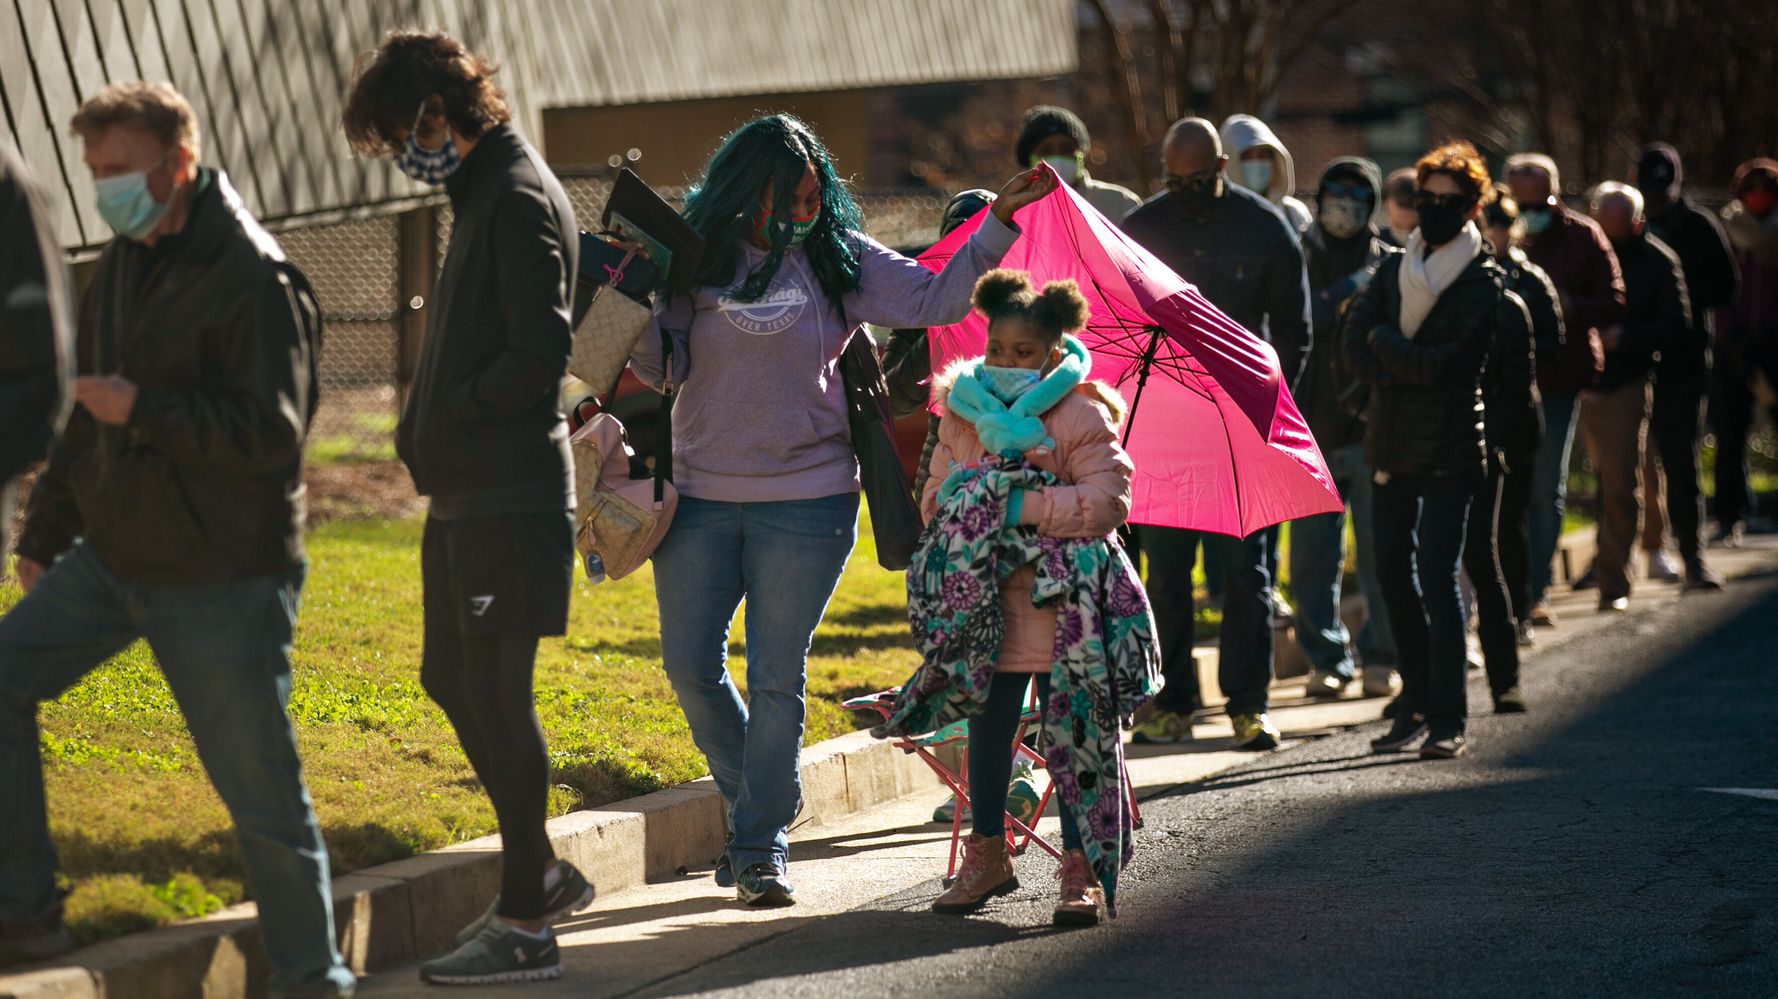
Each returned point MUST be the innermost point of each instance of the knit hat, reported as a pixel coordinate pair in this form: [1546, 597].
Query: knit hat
[1046, 120]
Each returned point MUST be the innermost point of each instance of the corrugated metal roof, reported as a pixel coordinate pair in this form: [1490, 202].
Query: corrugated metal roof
[266, 76]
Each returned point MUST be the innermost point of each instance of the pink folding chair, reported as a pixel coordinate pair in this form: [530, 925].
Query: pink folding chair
[1019, 836]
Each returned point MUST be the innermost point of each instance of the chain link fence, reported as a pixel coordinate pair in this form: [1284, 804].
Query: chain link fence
[356, 267]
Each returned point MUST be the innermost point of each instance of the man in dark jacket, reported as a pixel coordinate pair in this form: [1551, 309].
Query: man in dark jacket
[1614, 415]
[1682, 372]
[172, 510]
[1578, 259]
[1746, 340]
[1243, 254]
[485, 439]
[35, 330]
[1516, 441]
[1341, 251]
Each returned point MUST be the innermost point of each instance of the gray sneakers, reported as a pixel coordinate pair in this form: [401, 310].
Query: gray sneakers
[499, 953]
[570, 894]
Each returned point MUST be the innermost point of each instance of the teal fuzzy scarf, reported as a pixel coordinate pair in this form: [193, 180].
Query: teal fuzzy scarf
[1010, 431]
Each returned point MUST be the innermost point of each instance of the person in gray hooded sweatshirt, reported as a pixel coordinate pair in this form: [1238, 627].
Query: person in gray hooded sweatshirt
[768, 480]
[1263, 166]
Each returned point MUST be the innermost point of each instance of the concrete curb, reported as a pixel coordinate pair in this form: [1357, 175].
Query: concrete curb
[407, 909]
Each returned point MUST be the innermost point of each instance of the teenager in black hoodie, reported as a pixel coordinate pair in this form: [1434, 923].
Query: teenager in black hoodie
[484, 437]
[1341, 252]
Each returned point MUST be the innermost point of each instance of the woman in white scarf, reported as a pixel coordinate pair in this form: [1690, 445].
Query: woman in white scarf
[1420, 337]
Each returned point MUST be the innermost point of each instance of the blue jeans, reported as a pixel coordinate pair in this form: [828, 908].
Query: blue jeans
[785, 559]
[1317, 560]
[1549, 489]
[225, 651]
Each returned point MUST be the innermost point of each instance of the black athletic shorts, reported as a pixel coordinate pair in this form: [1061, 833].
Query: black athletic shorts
[505, 575]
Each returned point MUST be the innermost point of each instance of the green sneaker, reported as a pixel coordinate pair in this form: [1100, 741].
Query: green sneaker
[1164, 728]
[570, 894]
[1021, 795]
[1256, 732]
[499, 953]
[947, 812]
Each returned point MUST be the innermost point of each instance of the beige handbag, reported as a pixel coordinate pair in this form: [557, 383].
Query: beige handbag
[621, 520]
[605, 337]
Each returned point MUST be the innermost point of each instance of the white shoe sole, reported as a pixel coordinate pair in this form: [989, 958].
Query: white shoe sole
[525, 975]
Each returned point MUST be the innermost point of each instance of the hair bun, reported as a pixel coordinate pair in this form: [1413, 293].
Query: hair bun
[999, 289]
[1063, 306]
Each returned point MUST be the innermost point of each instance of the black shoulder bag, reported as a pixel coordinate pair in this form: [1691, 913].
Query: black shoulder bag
[894, 519]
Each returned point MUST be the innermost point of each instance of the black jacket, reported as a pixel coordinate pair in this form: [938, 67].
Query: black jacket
[35, 322]
[1549, 332]
[483, 432]
[1243, 255]
[221, 337]
[1711, 277]
[1425, 412]
[1512, 418]
[1657, 312]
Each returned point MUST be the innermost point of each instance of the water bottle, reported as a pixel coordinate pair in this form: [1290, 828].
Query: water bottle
[595, 568]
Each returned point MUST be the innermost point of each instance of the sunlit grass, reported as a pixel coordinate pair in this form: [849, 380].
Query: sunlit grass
[143, 839]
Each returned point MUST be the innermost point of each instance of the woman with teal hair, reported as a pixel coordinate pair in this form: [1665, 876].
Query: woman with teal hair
[762, 454]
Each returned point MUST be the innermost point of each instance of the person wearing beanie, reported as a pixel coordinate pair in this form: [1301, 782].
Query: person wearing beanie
[1058, 137]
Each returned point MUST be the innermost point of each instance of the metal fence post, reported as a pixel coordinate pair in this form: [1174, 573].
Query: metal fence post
[416, 269]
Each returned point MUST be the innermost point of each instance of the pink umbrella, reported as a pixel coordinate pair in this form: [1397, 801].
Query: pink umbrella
[1218, 443]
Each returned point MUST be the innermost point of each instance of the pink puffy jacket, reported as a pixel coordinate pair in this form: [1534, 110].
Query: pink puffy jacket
[1092, 500]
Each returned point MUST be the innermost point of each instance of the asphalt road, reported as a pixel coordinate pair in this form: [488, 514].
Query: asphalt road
[1575, 851]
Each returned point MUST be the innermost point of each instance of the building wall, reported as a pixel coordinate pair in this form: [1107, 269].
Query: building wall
[675, 138]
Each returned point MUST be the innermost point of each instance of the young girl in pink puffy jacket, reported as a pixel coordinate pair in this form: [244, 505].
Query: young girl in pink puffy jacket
[1029, 351]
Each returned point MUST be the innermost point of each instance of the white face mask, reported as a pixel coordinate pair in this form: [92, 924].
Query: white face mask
[1066, 167]
[1256, 175]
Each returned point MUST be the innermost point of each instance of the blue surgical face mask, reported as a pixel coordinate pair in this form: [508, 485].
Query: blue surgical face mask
[428, 166]
[1536, 220]
[127, 205]
[1256, 175]
[1067, 167]
[1007, 384]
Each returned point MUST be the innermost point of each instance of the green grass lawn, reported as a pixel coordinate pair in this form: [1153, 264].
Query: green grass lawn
[144, 840]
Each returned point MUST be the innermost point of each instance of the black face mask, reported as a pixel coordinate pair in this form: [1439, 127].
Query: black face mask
[1196, 195]
[1442, 218]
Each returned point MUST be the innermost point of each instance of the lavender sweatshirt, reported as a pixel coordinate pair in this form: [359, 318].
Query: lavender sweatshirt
[760, 414]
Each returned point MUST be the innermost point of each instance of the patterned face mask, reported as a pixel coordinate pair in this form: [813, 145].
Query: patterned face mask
[428, 166]
[1344, 218]
[1007, 384]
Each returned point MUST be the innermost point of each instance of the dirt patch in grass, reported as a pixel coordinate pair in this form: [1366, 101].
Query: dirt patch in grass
[346, 490]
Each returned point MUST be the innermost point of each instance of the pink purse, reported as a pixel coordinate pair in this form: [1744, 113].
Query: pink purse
[622, 520]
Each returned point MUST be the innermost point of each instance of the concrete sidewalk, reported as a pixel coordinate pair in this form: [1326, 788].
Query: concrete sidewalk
[867, 835]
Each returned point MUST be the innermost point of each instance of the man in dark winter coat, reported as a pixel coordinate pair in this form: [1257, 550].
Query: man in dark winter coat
[35, 330]
[1517, 448]
[1614, 414]
[172, 510]
[1341, 251]
[1682, 372]
[1243, 254]
[1578, 259]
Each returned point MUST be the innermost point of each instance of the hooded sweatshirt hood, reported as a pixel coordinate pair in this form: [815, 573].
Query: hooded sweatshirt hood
[1329, 257]
[1242, 132]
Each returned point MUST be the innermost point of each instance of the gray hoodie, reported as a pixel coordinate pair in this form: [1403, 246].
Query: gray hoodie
[760, 414]
[1242, 132]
